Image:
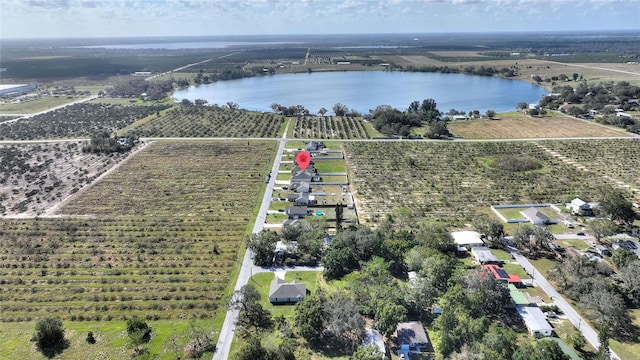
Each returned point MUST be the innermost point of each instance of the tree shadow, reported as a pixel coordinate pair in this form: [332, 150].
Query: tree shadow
[51, 351]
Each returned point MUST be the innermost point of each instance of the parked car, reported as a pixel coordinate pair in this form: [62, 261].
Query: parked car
[580, 233]
[551, 315]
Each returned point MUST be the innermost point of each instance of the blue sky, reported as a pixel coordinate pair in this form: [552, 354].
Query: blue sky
[106, 18]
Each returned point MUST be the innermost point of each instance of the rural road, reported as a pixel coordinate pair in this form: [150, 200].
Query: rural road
[246, 271]
[565, 307]
[630, 137]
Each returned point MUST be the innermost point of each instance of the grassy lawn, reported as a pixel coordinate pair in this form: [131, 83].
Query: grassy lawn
[31, 106]
[277, 205]
[536, 291]
[330, 166]
[501, 254]
[626, 350]
[516, 269]
[563, 329]
[111, 339]
[578, 244]
[543, 265]
[276, 218]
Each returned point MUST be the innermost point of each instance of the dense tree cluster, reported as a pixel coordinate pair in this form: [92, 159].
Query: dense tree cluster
[606, 98]
[391, 121]
[587, 282]
[105, 143]
[135, 88]
[470, 70]
[303, 240]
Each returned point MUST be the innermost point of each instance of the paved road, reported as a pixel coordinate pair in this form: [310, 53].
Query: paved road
[570, 313]
[246, 271]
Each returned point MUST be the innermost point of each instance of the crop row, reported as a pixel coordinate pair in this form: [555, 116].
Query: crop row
[330, 127]
[452, 180]
[220, 179]
[78, 120]
[211, 121]
[53, 265]
[165, 233]
[618, 159]
[33, 177]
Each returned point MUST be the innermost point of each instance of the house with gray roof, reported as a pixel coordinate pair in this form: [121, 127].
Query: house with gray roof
[412, 339]
[296, 212]
[281, 292]
[537, 217]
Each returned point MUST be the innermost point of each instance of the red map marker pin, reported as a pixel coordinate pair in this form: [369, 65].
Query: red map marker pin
[303, 159]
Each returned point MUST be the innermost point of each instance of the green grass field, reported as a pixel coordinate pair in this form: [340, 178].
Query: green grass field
[32, 106]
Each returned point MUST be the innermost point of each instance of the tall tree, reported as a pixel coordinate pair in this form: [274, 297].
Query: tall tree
[491, 227]
[49, 336]
[342, 317]
[388, 315]
[340, 109]
[606, 307]
[369, 352]
[309, 317]
[601, 228]
[263, 245]
[339, 216]
[603, 350]
[540, 350]
[614, 205]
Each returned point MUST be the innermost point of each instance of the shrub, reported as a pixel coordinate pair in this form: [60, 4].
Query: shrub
[198, 345]
[49, 336]
[90, 338]
[138, 330]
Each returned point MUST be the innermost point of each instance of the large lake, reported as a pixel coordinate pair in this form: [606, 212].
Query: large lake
[364, 90]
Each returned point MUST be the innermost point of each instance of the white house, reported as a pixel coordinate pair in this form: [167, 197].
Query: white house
[467, 238]
[535, 320]
[579, 207]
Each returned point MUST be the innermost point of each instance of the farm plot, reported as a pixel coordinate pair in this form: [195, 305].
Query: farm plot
[155, 263]
[34, 177]
[452, 180]
[211, 121]
[618, 161]
[78, 120]
[182, 179]
[330, 127]
[515, 125]
[112, 268]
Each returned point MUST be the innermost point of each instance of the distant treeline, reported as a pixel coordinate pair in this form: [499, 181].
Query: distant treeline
[152, 90]
[471, 70]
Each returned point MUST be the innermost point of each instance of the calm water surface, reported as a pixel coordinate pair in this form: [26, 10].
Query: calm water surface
[364, 90]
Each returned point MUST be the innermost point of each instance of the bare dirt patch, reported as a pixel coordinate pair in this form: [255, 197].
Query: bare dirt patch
[33, 178]
[519, 126]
